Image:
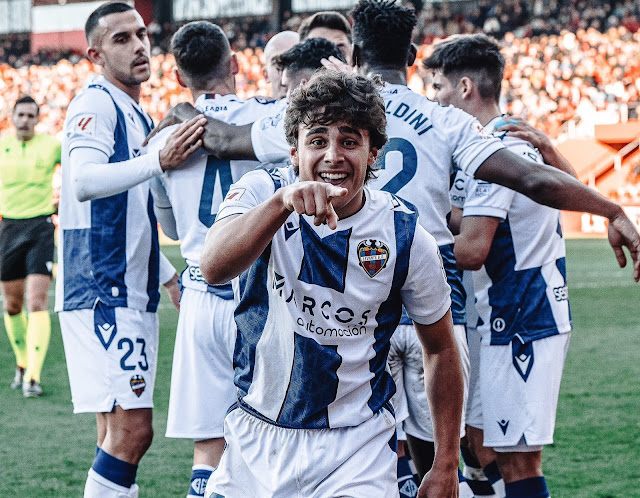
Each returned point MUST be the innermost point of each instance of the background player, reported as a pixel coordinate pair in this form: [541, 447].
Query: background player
[330, 372]
[279, 43]
[107, 287]
[27, 163]
[202, 386]
[331, 26]
[525, 324]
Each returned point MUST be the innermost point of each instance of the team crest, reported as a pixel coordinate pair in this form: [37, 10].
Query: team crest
[373, 256]
[138, 385]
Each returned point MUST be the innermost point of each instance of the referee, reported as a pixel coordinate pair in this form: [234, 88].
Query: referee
[27, 162]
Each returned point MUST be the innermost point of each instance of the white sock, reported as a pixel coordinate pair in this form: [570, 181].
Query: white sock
[99, 487]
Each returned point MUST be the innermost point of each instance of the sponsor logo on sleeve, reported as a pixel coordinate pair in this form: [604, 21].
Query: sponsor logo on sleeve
[235, 194]
[85, 124]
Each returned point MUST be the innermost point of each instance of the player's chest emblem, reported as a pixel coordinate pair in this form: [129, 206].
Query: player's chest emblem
[373, 256]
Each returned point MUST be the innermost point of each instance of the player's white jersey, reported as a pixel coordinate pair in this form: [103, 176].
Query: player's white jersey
[427, 142]
[196, 189]
[318, 307]
[108, 248]
[522, 288]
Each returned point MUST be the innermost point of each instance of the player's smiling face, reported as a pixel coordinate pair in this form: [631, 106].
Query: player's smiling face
[121, 46]
[338, 154]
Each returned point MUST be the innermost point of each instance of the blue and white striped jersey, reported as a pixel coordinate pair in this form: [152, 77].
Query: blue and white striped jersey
[427, 142]
[522, 288]
[318, 307]
[196, 189]
[108, 248]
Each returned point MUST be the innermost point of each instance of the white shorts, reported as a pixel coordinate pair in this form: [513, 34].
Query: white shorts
[202, 388]
[405, 364]
[265, 460]
[474, 404]
[111, 356]
[521, 402]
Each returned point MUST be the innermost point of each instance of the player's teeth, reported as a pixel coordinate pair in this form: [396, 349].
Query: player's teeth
[333, 176]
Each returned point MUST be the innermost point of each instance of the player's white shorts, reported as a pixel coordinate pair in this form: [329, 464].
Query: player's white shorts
[519, 388]
[474, 404]
[202, 388]
[265, 460]
[405, 364]
[111, 357]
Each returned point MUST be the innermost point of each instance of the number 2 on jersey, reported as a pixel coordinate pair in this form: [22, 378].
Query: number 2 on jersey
[214, 192]
[409, 163]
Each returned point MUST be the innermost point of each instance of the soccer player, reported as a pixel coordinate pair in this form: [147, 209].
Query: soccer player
[202, 386]
[518, 250]
[325, 265]
[107, 289]
[331, 26]
[279, 43]
[27, 163]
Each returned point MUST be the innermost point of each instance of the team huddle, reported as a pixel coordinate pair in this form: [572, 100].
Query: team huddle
[323, 332]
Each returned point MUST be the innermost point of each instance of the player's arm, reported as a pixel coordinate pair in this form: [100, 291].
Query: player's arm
[93, 177]
[234, 243]
[169, 279]
[519, 128]
[443, 382]
[223, 140]
[552, 187]
[163, 209]
[473, 243]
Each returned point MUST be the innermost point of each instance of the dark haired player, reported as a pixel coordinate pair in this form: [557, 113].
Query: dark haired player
[318, 303]
[331, 26]
[520, 284]
[110, 268]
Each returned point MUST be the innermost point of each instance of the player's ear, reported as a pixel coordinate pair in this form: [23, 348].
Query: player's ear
[294, 156]
[94, 55]
[265, 75]
[234, 66]
[373, 156]
[466, 87]
[179, 78]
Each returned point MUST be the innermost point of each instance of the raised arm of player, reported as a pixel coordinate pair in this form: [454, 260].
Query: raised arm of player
[443, 382]
[519, 128]
[549, 186]
[221, 139]
[235, 242]
[94, 177]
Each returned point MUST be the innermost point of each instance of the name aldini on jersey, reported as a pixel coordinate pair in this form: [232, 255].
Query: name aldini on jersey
[414, 117]
[319, 318]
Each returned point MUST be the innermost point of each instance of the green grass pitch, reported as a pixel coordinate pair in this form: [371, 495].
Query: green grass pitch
[45, 450]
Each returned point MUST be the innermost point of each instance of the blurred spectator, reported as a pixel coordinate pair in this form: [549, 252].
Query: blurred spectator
[567, 60]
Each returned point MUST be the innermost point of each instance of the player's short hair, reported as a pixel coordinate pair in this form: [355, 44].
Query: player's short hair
[308, 55]
[329, 19]
[382, 32]
[330, 97]
[100, 12]
[202, 53]
[27, 99]
[476, 56]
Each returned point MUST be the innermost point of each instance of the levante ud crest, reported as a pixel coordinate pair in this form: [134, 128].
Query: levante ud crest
[373, 256]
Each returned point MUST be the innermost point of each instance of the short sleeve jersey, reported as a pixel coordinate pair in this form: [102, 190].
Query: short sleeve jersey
[26, 173]
[196, 189]
[317, 309]
[427, 142]
[522, 288]
[108, 247]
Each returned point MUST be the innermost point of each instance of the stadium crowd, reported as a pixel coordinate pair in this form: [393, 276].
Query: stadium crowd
[561, 66]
